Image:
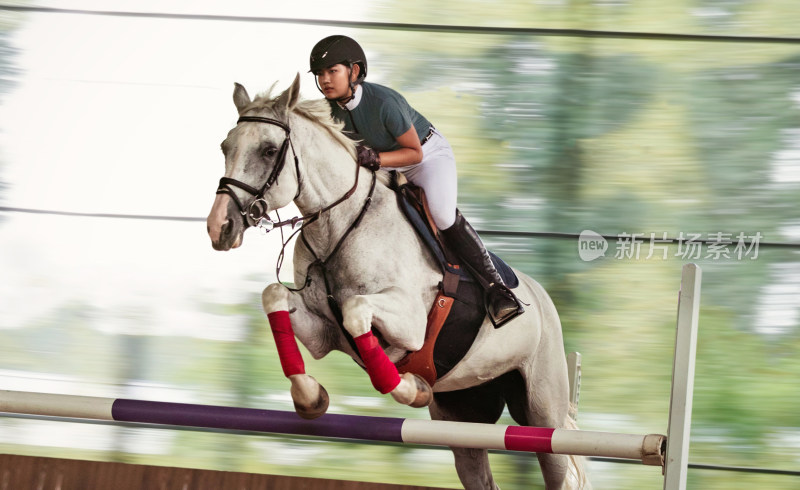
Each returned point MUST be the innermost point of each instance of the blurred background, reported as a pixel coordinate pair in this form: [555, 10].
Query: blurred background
[636, 118]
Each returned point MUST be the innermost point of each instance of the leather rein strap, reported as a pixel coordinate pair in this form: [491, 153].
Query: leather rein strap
[333, 304]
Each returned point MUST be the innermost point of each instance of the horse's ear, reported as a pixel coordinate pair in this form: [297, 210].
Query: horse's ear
[240, 97]
[291, 96]
[295, 90]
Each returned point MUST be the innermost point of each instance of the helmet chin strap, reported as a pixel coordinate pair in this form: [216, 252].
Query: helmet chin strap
[347, 98]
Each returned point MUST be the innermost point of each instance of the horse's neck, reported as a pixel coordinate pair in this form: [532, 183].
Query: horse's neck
[327, 174]
[355, 254]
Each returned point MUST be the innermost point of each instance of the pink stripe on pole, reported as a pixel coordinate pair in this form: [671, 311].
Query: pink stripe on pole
[532, 439]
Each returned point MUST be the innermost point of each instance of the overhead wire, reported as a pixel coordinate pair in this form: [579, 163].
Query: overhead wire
[403, 26]
[629, 238]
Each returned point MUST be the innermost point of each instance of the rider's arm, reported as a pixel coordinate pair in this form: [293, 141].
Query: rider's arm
[409, 154]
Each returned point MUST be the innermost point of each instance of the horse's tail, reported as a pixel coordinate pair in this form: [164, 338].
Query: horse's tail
[576, 471]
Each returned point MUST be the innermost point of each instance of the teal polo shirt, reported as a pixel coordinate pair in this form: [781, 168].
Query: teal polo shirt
[381, 116]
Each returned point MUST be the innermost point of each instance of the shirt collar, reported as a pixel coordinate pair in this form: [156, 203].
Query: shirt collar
[353, 103]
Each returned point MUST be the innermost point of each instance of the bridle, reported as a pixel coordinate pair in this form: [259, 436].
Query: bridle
[257, 209]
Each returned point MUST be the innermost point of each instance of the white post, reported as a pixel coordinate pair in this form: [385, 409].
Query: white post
[574, 371]
[680, 407]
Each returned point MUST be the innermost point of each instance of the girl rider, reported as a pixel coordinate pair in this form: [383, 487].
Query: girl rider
[395, 135]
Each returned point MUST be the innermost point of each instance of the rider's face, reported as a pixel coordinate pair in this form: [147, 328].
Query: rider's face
[334, 81]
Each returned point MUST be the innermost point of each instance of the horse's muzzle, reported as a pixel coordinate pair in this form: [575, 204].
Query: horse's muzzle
[224, 229]
[227, 238]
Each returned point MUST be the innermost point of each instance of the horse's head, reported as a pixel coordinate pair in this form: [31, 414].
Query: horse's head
[257, 178]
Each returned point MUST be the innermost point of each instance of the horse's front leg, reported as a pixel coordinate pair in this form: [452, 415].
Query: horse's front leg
[309, 397]
[402, 323]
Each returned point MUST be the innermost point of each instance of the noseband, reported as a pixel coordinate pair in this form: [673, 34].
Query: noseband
[257, 210]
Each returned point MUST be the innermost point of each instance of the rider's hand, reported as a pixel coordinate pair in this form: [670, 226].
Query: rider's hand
[367, 157]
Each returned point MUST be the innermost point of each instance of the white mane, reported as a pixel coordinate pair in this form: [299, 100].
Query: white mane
[315, 110]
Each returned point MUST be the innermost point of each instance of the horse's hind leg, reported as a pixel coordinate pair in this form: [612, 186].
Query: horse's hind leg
[482, 404]
[554, 470]
[546, 405]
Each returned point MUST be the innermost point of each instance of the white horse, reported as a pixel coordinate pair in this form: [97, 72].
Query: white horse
[358, 250]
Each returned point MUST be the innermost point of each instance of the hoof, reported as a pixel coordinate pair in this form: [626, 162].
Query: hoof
[317, 409]
[424, 393]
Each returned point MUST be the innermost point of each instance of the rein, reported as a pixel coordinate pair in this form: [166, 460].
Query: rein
[336, 309]
[310, 218]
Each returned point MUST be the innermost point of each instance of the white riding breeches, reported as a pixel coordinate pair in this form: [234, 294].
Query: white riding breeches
[436, 174]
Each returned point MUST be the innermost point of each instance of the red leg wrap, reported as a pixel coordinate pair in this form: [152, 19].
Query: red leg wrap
[382, 372]
[288, 352]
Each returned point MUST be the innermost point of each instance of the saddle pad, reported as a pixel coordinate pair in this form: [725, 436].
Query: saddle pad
[506, 272]
[411, 198]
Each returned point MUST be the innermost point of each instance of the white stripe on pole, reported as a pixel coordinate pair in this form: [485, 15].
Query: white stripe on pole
[83, 407]
[609, 445]
[453, 434]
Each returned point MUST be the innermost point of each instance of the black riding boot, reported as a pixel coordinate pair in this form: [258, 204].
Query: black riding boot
[465, 242]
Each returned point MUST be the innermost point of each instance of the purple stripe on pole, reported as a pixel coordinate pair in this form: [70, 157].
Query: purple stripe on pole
[252, 419]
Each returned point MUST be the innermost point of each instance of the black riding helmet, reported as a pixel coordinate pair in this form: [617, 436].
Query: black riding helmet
[338, 49]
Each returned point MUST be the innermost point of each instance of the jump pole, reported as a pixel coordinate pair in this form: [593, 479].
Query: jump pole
[649, 449]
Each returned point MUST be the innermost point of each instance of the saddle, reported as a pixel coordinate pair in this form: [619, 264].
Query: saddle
[458, 311]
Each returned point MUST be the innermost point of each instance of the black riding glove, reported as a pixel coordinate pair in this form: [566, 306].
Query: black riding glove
[367, 157]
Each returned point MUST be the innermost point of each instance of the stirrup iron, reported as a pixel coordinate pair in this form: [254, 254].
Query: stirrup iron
[497, 288]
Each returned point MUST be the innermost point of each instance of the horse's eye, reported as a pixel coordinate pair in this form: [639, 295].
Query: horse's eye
[270, 152]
